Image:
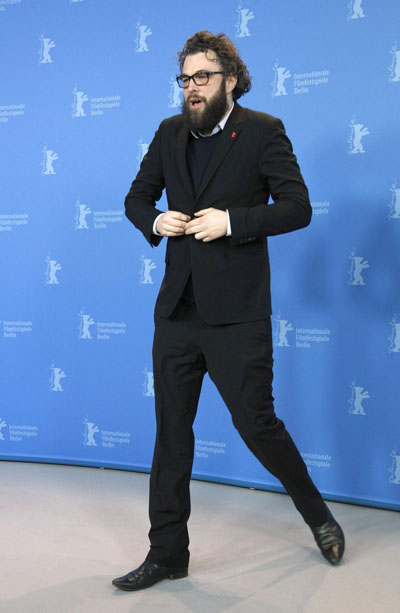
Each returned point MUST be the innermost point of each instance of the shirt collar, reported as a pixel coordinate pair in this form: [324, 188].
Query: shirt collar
[219, 127]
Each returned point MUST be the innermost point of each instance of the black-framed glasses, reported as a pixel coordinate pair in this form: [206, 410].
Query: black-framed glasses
[200, 77]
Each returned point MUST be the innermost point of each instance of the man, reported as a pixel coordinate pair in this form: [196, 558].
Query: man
[219, 163]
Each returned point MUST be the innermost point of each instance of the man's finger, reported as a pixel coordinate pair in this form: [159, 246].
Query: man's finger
[203, 211]
[174, 227]
[175, 224]
[191, 224]
[172, 232]
[194, 223]
[178, 215]
[200, 235]
[192, 229]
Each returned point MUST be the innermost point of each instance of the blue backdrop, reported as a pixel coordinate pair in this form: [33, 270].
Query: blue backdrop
[84, 85]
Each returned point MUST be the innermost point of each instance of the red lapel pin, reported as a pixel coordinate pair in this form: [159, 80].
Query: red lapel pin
[233, 134]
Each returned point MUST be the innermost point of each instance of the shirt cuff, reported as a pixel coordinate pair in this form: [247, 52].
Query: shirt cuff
[155, 224]
[229, 229]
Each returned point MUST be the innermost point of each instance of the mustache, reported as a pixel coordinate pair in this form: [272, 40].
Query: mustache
[195, 97]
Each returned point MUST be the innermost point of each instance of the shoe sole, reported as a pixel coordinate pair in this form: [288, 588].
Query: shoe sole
[178, 574]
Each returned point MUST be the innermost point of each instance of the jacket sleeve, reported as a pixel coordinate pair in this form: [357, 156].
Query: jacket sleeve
[146, 190]
[291, 208]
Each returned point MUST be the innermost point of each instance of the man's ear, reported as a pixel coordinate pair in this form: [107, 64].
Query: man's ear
[230, 82]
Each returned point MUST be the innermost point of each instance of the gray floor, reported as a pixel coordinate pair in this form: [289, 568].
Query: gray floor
[65, 532]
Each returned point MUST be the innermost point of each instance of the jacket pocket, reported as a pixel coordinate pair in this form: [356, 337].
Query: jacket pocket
[249, 249]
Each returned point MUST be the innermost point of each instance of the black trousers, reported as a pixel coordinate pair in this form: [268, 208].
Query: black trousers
[238, 358]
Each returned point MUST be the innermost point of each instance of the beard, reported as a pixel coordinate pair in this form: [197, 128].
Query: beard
[214, 109]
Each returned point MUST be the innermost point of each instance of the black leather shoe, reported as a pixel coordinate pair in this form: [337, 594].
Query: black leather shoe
[330, 540]
[147, 575]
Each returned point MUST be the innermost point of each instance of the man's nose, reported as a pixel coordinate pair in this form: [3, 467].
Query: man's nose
[192, 88]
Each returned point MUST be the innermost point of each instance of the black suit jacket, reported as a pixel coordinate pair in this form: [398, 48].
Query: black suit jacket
[253, 159]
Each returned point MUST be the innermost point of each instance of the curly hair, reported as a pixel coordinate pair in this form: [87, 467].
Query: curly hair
[227, 54]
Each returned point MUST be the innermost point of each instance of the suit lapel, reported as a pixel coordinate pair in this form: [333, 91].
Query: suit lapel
[181, 145]
[228, 138]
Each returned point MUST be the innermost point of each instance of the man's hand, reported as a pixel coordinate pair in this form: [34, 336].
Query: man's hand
[172, 223]
[210, 224]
